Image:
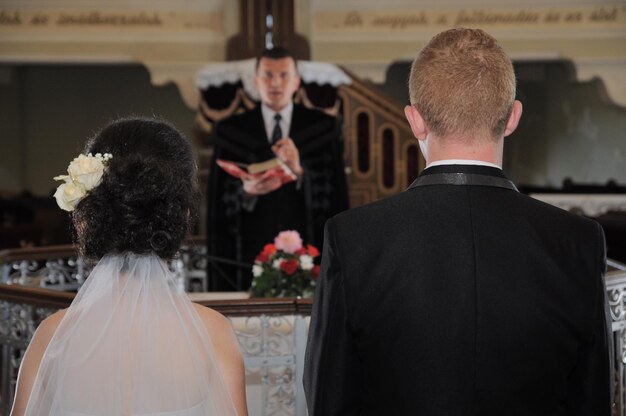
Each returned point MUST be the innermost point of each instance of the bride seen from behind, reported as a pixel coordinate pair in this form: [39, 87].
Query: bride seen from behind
[132, 343]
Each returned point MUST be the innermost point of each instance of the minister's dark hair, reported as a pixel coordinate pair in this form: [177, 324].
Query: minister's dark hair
[148, 193]
[277, 52]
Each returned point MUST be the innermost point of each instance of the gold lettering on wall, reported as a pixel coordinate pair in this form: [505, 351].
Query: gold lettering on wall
[527, 17]
[30, 21]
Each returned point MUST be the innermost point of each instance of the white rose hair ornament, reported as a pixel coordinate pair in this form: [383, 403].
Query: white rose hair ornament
[84, 174]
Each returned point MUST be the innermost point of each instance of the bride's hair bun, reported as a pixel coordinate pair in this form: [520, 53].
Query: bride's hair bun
[148, 193]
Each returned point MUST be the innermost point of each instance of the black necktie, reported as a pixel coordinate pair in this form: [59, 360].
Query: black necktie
[277, 133]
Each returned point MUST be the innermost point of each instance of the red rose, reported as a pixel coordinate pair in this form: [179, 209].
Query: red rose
[312, 250]
[269, 249]
[301, 251]
[289, 266]
[265, 254]
[315, 271]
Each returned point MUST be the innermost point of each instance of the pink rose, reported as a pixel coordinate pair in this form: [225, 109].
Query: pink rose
[288, 241]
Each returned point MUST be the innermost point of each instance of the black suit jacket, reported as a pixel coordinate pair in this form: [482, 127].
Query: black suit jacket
[237, 234]
[460, 300]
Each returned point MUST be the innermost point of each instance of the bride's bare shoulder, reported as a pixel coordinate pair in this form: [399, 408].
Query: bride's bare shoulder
[32, 359]
[213, 320]
[44, 333]
[221, 332]
[227, 354]
[48, 326]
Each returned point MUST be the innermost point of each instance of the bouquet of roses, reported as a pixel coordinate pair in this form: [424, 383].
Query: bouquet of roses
[285, 268]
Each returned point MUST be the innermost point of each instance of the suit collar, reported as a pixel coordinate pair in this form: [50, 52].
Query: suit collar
[269, 122]
[296, 119]
[462, 162]
[469, 169]
[465, 175]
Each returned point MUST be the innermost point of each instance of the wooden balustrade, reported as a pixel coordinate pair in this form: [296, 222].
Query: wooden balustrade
[260, 325]
[272, 373]
[47, 298]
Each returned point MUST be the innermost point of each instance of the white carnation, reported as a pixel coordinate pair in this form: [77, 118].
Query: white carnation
[306, 262]
[276, 263]
[257, 270]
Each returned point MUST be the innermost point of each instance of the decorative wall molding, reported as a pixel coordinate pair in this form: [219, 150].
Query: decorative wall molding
[611, 71]
[366, 37]
[591, 205]
[171, 37]
[137, 30]
[181, 74]
[414, 20]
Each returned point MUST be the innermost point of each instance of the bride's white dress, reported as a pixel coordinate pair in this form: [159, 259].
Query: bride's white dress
[130, 344]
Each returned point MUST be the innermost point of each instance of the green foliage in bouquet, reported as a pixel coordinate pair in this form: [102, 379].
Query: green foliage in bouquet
[285, 268]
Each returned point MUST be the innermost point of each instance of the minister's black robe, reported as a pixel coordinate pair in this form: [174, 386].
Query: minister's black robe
[233, 233]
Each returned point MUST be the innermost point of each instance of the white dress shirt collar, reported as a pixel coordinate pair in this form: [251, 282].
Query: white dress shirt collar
[462, 162]
[269, 122]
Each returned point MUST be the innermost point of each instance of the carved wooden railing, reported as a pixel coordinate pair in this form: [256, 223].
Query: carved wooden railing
[380, 152]
[58, 267]
[272, 333]
[616, 292]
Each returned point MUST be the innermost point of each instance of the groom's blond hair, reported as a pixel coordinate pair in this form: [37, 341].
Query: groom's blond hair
[463, 82]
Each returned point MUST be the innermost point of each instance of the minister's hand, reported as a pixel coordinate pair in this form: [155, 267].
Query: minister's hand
[286, 150]
[254, 185]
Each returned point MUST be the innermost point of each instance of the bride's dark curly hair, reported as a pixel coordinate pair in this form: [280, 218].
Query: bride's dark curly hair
[148, 195]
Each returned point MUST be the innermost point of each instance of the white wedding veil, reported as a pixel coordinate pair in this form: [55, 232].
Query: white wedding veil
[131, 343]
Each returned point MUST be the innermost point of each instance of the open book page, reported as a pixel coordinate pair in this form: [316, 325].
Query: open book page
[262, 170]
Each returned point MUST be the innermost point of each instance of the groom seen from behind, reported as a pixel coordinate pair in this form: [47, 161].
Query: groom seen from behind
[460, 296]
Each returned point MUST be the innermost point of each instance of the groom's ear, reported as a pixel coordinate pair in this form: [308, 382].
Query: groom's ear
[514, 117]
[416, 121]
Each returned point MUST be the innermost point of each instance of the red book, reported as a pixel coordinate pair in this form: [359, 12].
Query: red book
[269, 168]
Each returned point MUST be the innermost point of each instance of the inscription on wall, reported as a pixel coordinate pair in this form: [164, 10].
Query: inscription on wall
[605, 17]
[95, 20]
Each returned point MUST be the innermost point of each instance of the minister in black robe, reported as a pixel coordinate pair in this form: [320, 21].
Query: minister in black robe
[239, 228]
